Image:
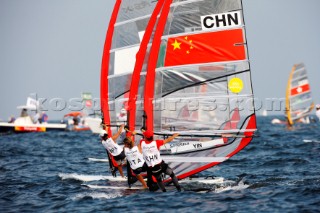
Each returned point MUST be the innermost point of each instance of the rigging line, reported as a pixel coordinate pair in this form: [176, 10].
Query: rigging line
[202, 82]
[121, 94]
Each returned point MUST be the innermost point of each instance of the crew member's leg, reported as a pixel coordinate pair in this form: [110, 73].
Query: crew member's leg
[170, 172]
[159, 181]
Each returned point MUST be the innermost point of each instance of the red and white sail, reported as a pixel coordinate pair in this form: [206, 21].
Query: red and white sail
[185, 67]
[299, 101]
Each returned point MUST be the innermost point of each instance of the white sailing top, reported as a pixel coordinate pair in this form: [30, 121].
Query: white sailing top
[318, 113]
[151, 153]
[134, 157]
[113, 148]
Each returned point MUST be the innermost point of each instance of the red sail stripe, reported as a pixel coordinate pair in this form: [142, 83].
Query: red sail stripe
[221, 46]
[300, 89]
[104, 90]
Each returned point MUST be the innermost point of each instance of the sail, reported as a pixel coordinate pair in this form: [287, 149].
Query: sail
[299, 101]
[125, 34]
[198, 84]
[126, 46]
[181, 66]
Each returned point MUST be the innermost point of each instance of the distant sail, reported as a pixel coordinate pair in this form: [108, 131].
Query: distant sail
[264, 113]
[299, 101]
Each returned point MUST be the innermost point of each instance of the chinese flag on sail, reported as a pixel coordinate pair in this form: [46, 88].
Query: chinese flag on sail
[300, 89]
[221, 46]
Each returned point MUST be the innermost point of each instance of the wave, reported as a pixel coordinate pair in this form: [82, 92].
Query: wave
[84, 178]
[98, 159]
[96, 195]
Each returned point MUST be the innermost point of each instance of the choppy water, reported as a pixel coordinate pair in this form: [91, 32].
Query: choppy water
[45, 172]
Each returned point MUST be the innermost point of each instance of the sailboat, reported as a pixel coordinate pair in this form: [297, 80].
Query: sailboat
[299, 102]
[28, 123]
[180, 67]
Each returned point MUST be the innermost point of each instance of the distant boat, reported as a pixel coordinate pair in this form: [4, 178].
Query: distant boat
[94, 124]
[299, 103]
[264, 113]
[318, 111]
[92, 118]
[27, 123]
[76, 121]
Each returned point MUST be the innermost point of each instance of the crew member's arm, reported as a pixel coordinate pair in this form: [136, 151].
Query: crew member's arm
[169, 139]
[115, 136]
[139, 148]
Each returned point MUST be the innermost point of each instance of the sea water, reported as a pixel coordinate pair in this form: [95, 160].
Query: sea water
[279, 171]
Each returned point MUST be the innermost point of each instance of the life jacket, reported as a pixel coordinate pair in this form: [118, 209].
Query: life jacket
[151, 153]
[134, 157]
[113, 148]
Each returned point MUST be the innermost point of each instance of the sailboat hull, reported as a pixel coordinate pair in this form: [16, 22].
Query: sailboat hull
[10, 127]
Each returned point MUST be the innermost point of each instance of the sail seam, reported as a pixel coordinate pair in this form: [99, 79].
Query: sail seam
[166, 37]
[202, 64]
[198, 83]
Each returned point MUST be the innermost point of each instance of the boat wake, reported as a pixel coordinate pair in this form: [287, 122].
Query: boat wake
[98, 159]
[310, 141]
[96, 195]
[84, 178]
[112, 187]
[201, 185]
[239, 186]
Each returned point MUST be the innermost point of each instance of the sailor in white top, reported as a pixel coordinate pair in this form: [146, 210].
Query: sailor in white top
[113, 148]
[318, 111]
[151, 153]
[135, 159]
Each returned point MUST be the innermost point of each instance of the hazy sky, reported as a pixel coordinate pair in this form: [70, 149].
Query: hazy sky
[54, 48]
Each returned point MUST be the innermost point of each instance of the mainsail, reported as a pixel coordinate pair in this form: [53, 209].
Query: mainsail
[299, 102]
[181, 66]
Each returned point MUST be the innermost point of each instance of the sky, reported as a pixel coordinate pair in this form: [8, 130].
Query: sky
[52, 49]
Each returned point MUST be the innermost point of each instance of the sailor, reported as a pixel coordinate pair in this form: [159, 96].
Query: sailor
[44, 117]
[318, 111]
[11, 119]
[122, 116]
[113, 148]
[135, 159]
[36, 118]
[151, 154]
[24, 113]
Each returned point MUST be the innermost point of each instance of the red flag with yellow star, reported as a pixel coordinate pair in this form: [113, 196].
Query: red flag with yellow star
[208, 47]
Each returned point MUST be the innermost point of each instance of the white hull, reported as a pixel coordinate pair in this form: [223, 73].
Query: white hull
[94, 124]
[25, 124]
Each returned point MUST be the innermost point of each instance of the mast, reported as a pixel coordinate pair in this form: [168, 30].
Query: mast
[139, 65]
[104, 85]
[150, 77]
